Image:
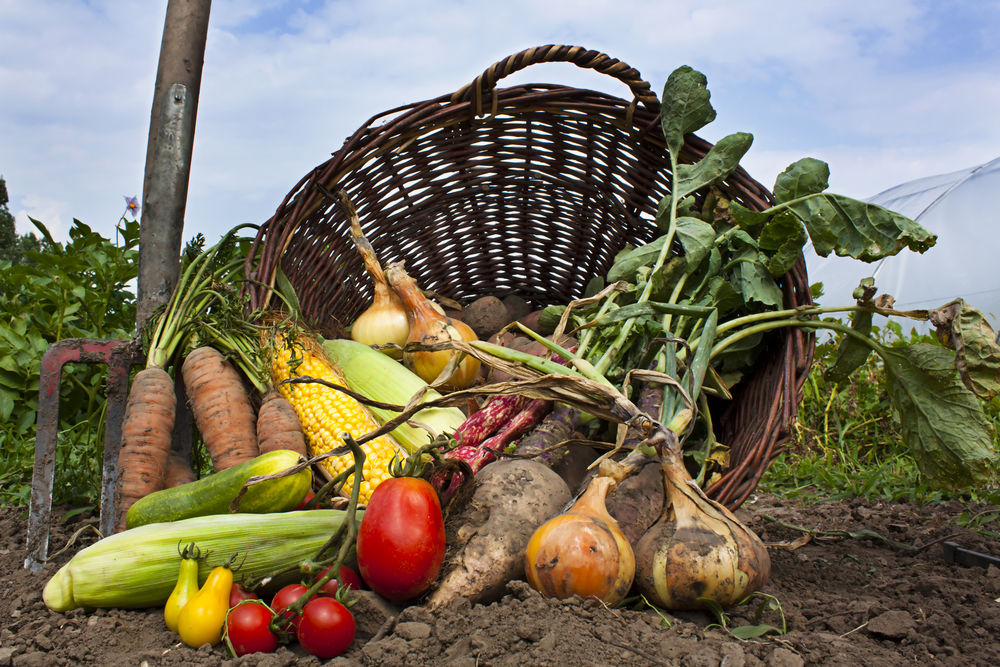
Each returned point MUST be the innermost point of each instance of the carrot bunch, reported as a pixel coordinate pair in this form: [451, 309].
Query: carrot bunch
[204, 323]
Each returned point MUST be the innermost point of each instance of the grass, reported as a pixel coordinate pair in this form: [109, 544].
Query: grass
[847, 444]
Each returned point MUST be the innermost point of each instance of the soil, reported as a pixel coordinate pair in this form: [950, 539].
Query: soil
[847, 597]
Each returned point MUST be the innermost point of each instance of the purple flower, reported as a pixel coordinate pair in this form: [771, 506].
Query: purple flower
[132, 206]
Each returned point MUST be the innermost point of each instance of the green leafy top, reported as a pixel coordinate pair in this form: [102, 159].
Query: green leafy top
[695, 302]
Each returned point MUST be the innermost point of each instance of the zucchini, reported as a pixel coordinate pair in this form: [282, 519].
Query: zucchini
[213, 494]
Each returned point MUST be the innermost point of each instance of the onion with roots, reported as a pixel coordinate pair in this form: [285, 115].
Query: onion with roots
[697, 550]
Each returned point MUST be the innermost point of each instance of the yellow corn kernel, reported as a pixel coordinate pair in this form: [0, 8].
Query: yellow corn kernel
[326, 414]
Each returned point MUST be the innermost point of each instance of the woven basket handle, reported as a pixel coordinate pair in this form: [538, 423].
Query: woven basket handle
[579, 56]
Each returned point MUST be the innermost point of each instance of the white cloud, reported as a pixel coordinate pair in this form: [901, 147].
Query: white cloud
[286, 82]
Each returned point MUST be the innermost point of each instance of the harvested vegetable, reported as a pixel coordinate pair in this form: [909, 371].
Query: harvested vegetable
[179, 471]
[326, 629]
[380, 378]
[215, 493]
[147, 428]
[149, 414]
[429, 327]
[186, 587]
[326, 413]
[385, 322]
[278, 426]
[202, 619]
[697, 550]
[486, 452]
[487, 535]
[221, 407]
[138, 568]
[401, 539]
[247, 628]
[583, 551]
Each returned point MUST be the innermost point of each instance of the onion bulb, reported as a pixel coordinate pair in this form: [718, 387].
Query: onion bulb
[384, 322]
[582, 552]
[697, 549]
[428, 326]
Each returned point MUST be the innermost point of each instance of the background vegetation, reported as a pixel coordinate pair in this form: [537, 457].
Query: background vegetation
[50, 291]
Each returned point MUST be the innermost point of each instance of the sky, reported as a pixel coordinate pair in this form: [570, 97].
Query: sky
[884, 91]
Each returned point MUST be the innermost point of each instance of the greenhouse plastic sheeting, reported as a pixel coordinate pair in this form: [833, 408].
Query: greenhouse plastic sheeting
[958, 207]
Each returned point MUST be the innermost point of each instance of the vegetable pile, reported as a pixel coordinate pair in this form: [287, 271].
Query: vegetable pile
[441, 458]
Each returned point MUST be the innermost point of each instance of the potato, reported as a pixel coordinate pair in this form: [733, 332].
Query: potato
[487, 537]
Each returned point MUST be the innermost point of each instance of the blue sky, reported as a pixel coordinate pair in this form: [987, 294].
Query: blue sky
[885, 91]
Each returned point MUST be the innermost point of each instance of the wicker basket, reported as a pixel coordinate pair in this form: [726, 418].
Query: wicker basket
[528, 190]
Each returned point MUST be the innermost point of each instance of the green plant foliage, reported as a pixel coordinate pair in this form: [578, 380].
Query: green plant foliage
[850, 442]
[77, 289]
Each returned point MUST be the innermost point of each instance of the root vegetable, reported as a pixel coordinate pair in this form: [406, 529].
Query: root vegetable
[278, 426]
[697, 549]
[146, 435]
[486, 315]
[178, 471]
[487, 536]
[384, 322]
[221, 407]
[582, 552]
[429, 327]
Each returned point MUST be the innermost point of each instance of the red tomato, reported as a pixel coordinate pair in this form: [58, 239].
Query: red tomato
[345, 574]
[238, 594]
[286, 597]
[401, 538]
[327, 628]
[247, 628]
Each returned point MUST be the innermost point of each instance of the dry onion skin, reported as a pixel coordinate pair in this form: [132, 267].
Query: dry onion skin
[697, 550]
[429, 327]
[582, 552]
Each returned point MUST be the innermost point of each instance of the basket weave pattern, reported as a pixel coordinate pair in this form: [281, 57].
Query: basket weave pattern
[528, 190]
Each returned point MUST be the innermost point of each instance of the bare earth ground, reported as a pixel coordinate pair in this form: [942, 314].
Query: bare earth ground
[851, 601]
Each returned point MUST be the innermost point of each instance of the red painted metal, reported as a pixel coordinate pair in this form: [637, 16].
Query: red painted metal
[119, 356]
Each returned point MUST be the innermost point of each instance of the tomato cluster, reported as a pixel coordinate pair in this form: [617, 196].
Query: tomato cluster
[400, 549]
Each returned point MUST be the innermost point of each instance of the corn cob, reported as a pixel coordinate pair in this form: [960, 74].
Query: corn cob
[326, 414]
[138, 567]
[380, 377]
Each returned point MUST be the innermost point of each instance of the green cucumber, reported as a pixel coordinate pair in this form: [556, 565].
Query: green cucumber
[213, 494]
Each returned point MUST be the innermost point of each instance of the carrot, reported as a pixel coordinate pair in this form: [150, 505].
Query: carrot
[221, 407]
[278, 426]
[178, 471]
[147, 428]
